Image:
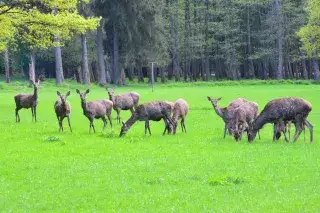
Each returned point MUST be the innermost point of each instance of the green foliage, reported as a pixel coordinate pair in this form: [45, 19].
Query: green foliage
[310, 34]
[35, 24]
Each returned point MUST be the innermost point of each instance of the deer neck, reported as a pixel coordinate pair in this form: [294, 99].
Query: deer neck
[84, 105]
[259, 122]
[131, 121]
[35, 93]
[111, 98]
[222, 112]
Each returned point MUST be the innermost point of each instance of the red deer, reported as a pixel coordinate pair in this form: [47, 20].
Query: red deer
[62, 109]
[28, 101]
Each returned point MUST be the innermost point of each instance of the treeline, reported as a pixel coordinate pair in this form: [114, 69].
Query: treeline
[188, 40]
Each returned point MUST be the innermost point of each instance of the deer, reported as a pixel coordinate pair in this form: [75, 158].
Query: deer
[224, 113]
[126, 101]
[180, 111]
[154, 111]
[280, 110]
[62, 108]
[27, 101]
[242, 118]
[96, 110]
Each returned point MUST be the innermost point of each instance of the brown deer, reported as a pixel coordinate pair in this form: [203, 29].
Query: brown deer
[96, 110]
[224, 113]
[62, 109]
[28, 101]
[241, 118]
[280, 110]
[180, 111]
[154, 111]
[126, 101]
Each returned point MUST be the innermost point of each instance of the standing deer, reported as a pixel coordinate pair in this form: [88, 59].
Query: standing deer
[242, 118]
[224, 113]
[180, 111]
[28, 101]
[126, 101]
[154, 111]
[62, 109]
[284, 110]
[96, 110]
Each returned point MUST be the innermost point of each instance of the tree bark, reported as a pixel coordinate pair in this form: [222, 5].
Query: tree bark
[304, 69]
[6, 65]
[206, 50]
[187, 40]
[58, 58]
[32, 72]
[115, 55]
[85, 65]
[279, 74]
[162, 75]
[100, 55]
[316, 68]
[251, 73]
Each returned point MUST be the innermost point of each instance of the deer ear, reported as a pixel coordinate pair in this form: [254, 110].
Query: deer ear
[219, 98]
[87, 91]
[123, 124]
[58, 93]
[31, 82]
[68, 93]
[209, 98]
[77, 91]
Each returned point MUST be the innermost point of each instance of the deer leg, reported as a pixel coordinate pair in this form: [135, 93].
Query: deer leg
[17, 115]
[68, 117]
[225, 130]
[310, 127]
[145, 128]
[285, 136]
[32, 113]
[118, 116]
[165, 127]
[132, 110]
[104, 123]
[61, 123]
[184, 126]
[110, 120]
[274, 132]
[289, 127]
[149, 128]
[35, 113]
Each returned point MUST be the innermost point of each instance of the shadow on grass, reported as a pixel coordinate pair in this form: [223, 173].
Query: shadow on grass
[225, 181]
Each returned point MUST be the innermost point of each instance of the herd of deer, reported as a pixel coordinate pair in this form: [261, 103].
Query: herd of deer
[239, 116]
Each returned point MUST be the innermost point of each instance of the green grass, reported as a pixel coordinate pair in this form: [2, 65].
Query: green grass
[44, 170]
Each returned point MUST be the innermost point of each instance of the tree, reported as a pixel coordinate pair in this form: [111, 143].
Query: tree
[33, 22]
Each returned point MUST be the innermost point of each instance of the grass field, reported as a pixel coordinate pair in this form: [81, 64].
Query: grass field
[44, 170]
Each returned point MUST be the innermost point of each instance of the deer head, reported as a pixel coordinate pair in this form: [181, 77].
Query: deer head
[124, 129]
[214, 101]
[63, 98]
[83, 95]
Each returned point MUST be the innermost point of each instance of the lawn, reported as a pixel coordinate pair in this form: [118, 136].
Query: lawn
[44, 170]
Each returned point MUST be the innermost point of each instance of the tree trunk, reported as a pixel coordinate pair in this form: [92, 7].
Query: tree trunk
[140, 74]
[58, 61]
[115, 55]
[85, 65]
[131, 73]
[32, 72]
[162, 75]
[100, 55]
[304, 69]
[58, 58]
[316, 68]
[250, 62]
[187, 40]
[6, 65]
[206, 50]
[279, 74]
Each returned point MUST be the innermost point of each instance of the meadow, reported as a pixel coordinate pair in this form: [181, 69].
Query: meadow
[43, 170]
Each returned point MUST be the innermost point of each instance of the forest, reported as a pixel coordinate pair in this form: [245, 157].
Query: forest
[109, 41]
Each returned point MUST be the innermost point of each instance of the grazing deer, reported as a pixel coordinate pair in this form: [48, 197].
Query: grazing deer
[28, 101]
[224, 113]
[96, 110]
[62, 109]
[154, 111]
[126, 101]
[180, 111]
[242, 118]
[284, 110]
